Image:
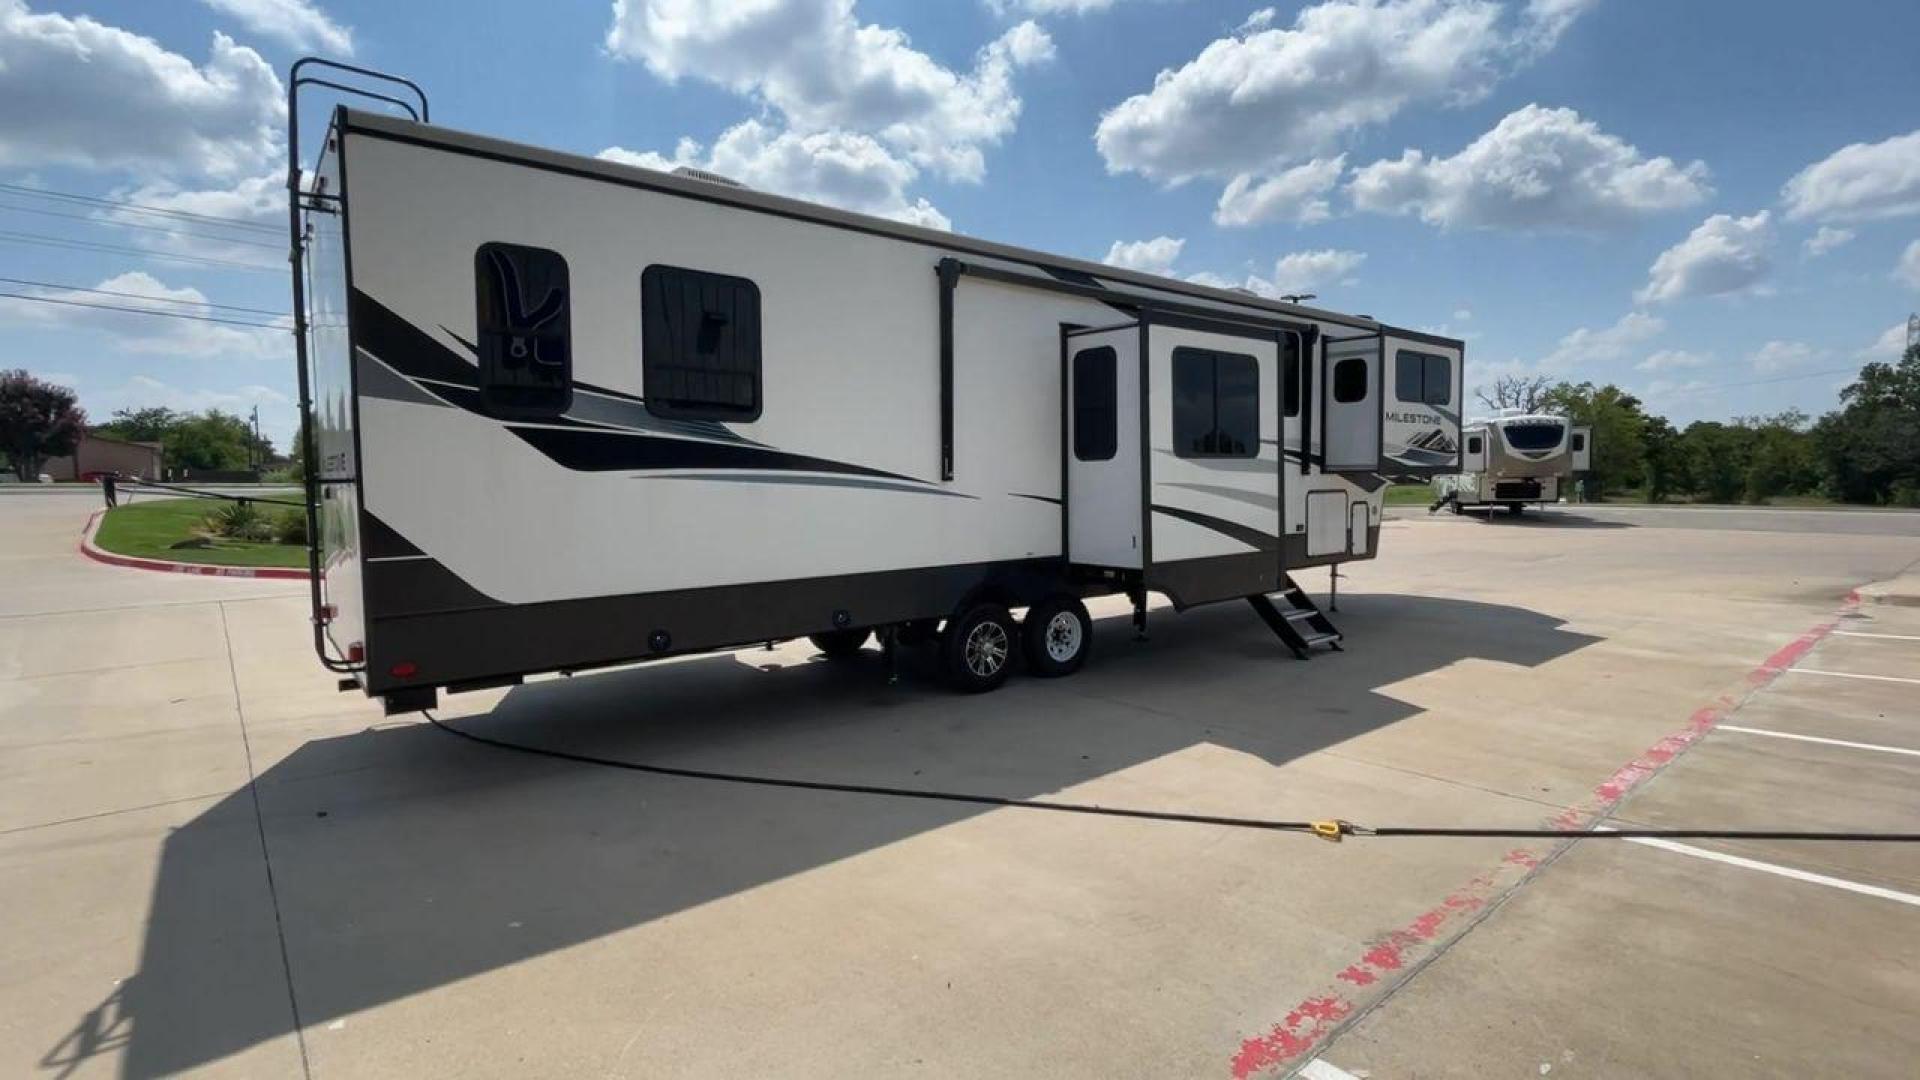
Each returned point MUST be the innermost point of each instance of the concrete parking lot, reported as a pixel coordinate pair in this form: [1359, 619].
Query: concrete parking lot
[213, 862]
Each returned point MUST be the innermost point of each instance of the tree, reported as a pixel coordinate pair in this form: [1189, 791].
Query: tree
[1779, 455]
[1526, 393]
[1619, 426]
[1665, 466]
[209, 440]
[1867, 449]
[1717, 457]
[38, 420]
[141, 425]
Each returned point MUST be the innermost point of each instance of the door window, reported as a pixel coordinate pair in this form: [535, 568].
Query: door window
[521, 306]
[1350, 380]
[1216, 404]
[1096, 404]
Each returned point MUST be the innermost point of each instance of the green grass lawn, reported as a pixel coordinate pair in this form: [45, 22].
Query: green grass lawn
[1409, 495]
[149, 529]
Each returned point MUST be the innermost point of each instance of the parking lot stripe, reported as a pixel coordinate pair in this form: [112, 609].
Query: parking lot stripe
[1818, 739]
[1322, 1069]
[1889, 637]
[1782, 871]
[1853, 675]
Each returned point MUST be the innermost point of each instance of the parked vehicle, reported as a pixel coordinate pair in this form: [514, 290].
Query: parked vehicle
[1514, 460]
[570, 413]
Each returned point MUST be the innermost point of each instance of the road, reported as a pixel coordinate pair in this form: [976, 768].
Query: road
[215, 863]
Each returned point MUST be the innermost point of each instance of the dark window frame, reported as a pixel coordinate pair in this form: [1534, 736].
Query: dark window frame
[1096, 423]
[504, 323]
[1247, 407]
[1424, 367]
[1342, 385]
[655, 335]
[1577, 442]
[1291, 369]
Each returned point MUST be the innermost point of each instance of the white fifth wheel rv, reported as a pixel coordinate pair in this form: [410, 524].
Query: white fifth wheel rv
[1514, 459]
[569, 413]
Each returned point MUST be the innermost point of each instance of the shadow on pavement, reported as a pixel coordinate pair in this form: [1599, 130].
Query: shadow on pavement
[406, 859]
[1556, 518]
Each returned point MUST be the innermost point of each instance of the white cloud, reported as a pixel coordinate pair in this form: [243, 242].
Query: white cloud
[139, 333]
[1049, 7]
[1267, 96]
[1297, 194]
[1155, 256]
[1909, 268]
[1306, 270]
[297, 23]
[1890, 345]
[1259, 20]
[82, 93]
[1538, 168]
[1299, 272]
[1603, 346]
[839, 168]
[1860, 182]
[1777, 356]
[242, 207]
[1673, 359]
[1724, 254]
[1826, 239]
[815, 63]
[1462, 315]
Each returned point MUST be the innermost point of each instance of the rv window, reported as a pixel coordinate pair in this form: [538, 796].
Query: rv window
[1350, 380]
[699, 344]
[1474, 444]
[1579, 441]
[521, 306]
[1423, 377]
[1290, 374]
[1096, 404]
[1216, 404]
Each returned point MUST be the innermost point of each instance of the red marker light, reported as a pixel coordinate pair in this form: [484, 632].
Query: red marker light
[405, 669]
[356, 653]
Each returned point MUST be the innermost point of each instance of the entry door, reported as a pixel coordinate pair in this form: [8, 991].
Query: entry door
[1350, 403]
[1580, 443]
[1104, 519]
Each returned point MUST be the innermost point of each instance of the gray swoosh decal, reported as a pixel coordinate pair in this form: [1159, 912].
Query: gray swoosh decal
[807, 481]
[1253, 498]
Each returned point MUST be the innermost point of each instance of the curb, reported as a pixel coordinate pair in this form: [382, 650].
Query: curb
[97, 554]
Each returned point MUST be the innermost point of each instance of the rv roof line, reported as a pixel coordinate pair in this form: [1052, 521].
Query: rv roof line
[616, 172]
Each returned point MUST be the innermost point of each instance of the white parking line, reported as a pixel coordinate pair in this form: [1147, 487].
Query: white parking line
[1322, 1069]
[1817, 739]
[1781, 871]
[1851, 675]
[1889, 637]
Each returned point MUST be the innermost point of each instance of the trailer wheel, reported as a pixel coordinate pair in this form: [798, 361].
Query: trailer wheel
[1516, 509]
[1057, 635]
[977, 651]
[840, 644]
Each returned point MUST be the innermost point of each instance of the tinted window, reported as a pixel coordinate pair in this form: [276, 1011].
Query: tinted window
[1474, 445]
[1216, 404]
[1290, 374]
[700, 344]
[521, 306]
[1096, 404]
[1350, 380]
[1423, 377]
[1579, 441]
[1541, 435]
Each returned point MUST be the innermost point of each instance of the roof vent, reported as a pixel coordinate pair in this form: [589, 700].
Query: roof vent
[710, 177]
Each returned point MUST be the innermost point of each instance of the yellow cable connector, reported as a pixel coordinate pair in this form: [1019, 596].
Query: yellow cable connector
[1329, 830]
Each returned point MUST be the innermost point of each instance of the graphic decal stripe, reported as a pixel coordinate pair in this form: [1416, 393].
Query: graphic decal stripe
[1253, 538]
[606, 451]
[811, 481]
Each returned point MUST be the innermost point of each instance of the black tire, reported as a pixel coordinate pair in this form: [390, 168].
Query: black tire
[1057, 636]
[840, 644]
[977, 649]
[1516, 509]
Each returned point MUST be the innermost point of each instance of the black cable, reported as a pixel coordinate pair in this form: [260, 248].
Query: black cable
[197, 493]
[175, 230]
[124, 309]
[142, 296]
[140, 208]
[116, 249]
[1330, 830]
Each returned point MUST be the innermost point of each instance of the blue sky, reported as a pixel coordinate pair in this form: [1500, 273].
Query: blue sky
[1714, 203]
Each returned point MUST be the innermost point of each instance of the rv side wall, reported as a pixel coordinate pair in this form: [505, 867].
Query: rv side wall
[335, 452]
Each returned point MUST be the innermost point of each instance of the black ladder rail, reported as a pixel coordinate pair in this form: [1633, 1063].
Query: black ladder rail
[1300, 625]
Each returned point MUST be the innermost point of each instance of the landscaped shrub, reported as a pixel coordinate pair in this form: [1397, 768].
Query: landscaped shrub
[241, 521]
[290, 527]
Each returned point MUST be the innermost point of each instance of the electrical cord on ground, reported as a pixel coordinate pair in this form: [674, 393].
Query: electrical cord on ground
[197, 493]
[1332, 829]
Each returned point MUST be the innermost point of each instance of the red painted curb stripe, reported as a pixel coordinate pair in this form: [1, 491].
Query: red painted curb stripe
[91, 551]
[1314, 1019]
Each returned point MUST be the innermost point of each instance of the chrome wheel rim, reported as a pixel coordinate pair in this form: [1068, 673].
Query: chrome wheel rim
[1063, 637]
[987, 649]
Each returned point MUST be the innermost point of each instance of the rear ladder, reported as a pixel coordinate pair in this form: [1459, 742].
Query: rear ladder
[1300, 624]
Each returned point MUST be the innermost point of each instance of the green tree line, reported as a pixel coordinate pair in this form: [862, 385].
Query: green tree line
[1865, 451]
